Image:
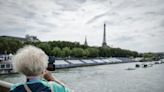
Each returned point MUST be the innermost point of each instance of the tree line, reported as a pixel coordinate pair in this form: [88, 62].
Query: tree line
[65, 49]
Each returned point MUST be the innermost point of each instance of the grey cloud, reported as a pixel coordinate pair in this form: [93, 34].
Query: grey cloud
[56, 13]
[151, 13]
[134, 21]
[65, 2]
[124, 4]
[128, 4]
[44, 15]
[95, 18]
[13, 32]
[17, 9]
[81, 1]
[109, 23]
[155, 13]
[161, 24]
[123, 38]
[50, 25]
[107, 13]
[71, 5]
[23, 15]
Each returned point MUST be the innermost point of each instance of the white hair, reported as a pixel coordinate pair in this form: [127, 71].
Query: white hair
[30, 61]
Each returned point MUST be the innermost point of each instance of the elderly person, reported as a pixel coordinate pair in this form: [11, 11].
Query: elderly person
[32, 62]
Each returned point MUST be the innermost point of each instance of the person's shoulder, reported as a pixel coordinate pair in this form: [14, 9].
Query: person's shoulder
[44, 82]
[59, 87]
[56, 86]
[48, 83]
[14, 86]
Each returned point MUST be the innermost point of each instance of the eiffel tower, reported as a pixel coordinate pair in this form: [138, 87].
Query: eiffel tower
[104, 44]
[85, 43]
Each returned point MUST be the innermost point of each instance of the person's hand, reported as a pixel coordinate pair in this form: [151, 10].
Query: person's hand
[48, 76]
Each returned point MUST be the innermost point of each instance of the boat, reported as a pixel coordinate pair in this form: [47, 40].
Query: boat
[130, 69]
[144, 65]
[137, 65]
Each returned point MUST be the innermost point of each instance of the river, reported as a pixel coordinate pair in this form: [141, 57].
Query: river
[107, 78]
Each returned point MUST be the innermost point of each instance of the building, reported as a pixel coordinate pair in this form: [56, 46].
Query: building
[6, 64]
[6, 67]
[31, 38]
[5, 57]
[27, 38]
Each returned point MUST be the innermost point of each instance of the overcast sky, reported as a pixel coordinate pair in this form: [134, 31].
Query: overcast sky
[131, 24]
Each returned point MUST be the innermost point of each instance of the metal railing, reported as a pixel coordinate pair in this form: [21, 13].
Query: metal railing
[5, 86]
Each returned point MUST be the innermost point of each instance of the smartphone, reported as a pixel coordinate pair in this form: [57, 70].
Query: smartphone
[51, 65]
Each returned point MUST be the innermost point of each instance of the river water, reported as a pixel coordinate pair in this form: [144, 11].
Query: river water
[107, 78]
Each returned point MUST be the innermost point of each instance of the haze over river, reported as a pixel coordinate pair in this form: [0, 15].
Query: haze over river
[107, 78]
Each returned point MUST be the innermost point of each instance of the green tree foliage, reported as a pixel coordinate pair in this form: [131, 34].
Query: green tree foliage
[150, 56]
[77, 52]
[93, 52]
[9, 45]
[67, 49]
[46, 47]
[105, 52]
[56, 51]
[85, 53]
[62, 44]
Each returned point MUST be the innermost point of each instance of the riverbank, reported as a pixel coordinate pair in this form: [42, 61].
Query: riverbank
[72, 63]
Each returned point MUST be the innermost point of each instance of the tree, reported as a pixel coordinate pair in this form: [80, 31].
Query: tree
[93, 52]
[66, 51]
[150, 56]
[85, 53]
[45, 47]
[105, 52]
[9, 45]
[77, 52]
[56, 52]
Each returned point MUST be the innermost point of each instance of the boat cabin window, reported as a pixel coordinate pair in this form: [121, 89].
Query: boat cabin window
[7, 65]
[2, 66]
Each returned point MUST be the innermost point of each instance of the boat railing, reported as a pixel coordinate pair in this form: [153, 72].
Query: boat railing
[5, 86]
